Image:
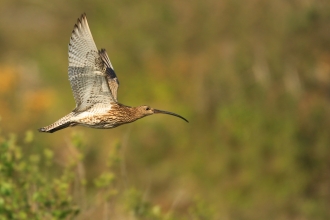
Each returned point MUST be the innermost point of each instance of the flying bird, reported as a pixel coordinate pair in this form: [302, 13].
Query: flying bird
[94, 85]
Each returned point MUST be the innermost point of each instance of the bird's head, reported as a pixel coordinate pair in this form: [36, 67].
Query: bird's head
[145, 110]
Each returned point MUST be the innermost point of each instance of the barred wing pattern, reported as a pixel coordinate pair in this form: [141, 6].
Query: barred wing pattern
[110, 74]
[87, 70]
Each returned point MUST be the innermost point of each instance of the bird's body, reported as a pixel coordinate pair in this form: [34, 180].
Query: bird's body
[94, 85]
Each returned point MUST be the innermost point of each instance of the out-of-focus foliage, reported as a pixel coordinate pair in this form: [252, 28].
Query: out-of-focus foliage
[30, 189]
[26, 191]
[252, 77]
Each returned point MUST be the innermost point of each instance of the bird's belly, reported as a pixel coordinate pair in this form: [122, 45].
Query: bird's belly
[95, 120]
[98, 126]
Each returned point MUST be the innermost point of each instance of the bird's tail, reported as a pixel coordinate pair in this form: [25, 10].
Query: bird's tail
[64, 122]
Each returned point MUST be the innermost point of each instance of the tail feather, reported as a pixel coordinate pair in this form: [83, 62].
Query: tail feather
[62, 123]
[52, 130]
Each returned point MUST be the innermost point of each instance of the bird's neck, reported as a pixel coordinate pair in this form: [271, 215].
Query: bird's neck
[127, 113]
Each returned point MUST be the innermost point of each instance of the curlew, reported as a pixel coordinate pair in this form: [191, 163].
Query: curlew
[94, 86]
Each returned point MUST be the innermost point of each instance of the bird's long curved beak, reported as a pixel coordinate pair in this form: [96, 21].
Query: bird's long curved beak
[169, 113]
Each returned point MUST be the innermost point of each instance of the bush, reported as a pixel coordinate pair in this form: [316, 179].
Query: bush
[26, 190]
[31, 187]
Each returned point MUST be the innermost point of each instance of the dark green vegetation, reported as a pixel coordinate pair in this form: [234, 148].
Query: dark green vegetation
[29, 191]
[252, 77]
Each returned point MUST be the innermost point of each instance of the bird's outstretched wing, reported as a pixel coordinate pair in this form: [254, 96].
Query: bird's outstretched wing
[87, 70]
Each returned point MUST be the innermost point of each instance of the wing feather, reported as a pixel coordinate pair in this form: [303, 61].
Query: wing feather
[87, 70]
[110, 74]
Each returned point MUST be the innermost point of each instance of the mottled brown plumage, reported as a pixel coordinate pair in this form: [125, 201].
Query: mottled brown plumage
[94, 86]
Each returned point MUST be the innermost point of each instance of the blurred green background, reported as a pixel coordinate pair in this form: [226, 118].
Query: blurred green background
[252, 77]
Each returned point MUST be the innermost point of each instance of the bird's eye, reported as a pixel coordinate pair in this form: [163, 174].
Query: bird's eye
[147, 108]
